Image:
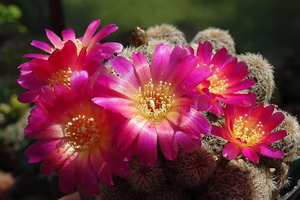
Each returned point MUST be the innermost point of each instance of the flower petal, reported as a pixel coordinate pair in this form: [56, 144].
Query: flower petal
[67, 175]
[269, 151]
[187, 143]
[274, 136]
[40, 149]
[56, 158]
[250, 153]
[167, 140]
[147, 141]
[160, 62]
[230, 151]
[130, 132]
[142, 68]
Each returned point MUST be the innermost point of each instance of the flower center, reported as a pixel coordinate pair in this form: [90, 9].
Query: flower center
[154, 102]
[61, 76]
[217, 85]
[244, 129]
[83, 132]
[77, 43]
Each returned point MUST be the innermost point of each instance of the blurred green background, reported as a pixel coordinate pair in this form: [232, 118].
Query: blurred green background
[271, 28]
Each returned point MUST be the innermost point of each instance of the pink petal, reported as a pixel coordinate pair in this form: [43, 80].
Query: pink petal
[142, 68]
[42, 130]
[147, 145]
[41, 45]
[117, 47]
[56, 158]
[79, 82]
[130, 132]
[42, 148]
[177, 76]
[68, 34]
[230, 151]
[178, 54]
[204, 52]
[194, 79]
[186, 142]
[119, 86]
[269, 151]
[54, 39]
[216, 108]
[272, 137]
[160, 61]
[274, 121]
[125, 69]
[220, 132]
[91, 29]
[117, 166]
[193, 123]
[167, 140]
[29, 96]
[67, 175]
[100, 166]
[31, 82]
[104, 32]
[118, 105]
[241, 85]
[250, 154]
[86, 177]
[34, 55]
[219, 58]
[202, 102]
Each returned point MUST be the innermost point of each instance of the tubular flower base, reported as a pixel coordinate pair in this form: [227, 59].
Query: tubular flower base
[75, 137]
[156, 120]
[248, 130]
[152, 99]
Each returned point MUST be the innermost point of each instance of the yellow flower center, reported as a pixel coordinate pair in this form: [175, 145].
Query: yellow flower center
[62, 76]
[248, 133]
[83, 132]
[154, 102]
[77, 43]
[217, 85]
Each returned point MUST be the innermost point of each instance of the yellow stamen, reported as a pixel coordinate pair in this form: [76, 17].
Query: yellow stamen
[61, 76]
[154, 102]
[83, 132]
[217, 85]
[247, 133]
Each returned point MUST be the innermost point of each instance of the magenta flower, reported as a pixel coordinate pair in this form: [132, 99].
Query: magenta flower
[227, 79]
[249, 130]
[152, 99]
[57, 69]
[88, 41]
[75, 137]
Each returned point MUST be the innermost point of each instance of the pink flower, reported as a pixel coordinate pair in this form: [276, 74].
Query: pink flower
[248, 130]
[88, 41]
[227, 79]
[75, 136]
[57, 69]
[152, 99]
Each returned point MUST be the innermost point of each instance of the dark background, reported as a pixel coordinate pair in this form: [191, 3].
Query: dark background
[268, 27]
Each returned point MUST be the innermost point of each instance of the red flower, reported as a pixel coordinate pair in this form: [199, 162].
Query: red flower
[248, 130]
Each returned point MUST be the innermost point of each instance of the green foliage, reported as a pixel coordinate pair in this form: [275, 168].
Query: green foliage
[10, 16]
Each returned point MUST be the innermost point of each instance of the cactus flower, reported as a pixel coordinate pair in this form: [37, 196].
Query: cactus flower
[249, 130]
[75, 137]
[88, 41]
[227, 79]
[152, 98]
